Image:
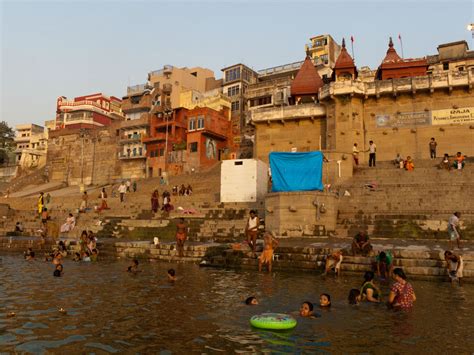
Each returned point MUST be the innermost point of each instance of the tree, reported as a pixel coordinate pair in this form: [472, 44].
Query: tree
[7, 135]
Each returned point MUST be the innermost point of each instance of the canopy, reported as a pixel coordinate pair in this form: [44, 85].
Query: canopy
[296, 171]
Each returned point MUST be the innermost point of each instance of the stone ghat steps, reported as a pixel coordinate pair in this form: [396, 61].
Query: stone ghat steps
[419, 264]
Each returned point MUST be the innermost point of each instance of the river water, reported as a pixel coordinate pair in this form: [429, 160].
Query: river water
[112, 311]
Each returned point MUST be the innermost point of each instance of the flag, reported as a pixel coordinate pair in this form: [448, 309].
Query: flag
[352, 39]
[399, 36]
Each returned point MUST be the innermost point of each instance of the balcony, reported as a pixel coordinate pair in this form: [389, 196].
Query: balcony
[143, 121]
[125, 156]
[138, 89]
[287, 113]
[156, 137]
[22, 139]
[130, 138]
[131, 104]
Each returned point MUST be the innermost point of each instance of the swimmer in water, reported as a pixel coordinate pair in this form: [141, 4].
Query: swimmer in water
[77, 256]
[172, 275]
[134, 267]
[306, 310]
[354, 296]
[58, 271]
[29, 254]
[251, 301]
[325, 300]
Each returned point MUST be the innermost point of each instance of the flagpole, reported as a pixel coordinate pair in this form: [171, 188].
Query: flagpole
[401, 45]
[352, 46]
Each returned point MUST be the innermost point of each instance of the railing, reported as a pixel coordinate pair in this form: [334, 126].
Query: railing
[131, 137]
[132, 155]
[135, 89]
[285, 67]
[159, 72]
[80, 103]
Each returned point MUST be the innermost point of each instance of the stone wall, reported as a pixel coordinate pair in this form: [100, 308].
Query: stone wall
[83, 156]
[296, 214]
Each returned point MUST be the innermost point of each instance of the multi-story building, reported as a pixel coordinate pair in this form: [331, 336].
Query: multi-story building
[86, 112]
[323, 49]
[236, 79]
[31, 144]
[209, 137]
[172, 81]
[454, 56]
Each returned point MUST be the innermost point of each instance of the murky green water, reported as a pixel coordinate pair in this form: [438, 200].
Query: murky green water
[111, 311]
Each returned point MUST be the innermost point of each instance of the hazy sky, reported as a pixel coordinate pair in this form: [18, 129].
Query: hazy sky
[71, 48]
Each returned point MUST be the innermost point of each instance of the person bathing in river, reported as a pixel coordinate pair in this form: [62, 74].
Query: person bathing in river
[134, 267]
[172, 275]
[333, 262]
[181, 236]
[325, 300]
[267, 255]
[251, 301]
[307, 310]
[454, 266]
[354, 296]
[369, 290]
[251, 231]
[402, 296]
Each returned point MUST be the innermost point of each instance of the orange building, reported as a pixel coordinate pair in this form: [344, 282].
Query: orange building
[209, 137]
[167, 137]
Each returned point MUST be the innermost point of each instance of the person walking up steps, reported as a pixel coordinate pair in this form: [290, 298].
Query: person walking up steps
[433, 145]
[122, 190]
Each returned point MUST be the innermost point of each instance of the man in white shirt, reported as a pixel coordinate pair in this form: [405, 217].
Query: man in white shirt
[355, 154]
[122, 190]
[372, 150]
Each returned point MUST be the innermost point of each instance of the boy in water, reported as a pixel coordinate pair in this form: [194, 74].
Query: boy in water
[29, 254]
[58, 271]
[181, 235]
[267, 255]
[134, 267]
[251, 301]
[306, 310]
[324, 300]
[172, 275]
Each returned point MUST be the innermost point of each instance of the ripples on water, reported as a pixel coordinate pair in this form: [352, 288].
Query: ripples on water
[111, 311]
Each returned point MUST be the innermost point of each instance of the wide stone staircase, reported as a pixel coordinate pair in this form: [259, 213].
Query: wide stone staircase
[207, 218]
[393, 203]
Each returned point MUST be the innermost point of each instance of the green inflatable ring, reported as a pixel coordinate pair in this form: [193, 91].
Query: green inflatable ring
[276, 321]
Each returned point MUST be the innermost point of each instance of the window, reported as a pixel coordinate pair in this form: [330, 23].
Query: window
[162, 152]
[446, 66]
[135, 100]
[235, 106]
[200, 122]
[233, 90]
[193, 147]
[232, 74]
[460, 68]
[259, 101]
[192, 124]
[324, 58]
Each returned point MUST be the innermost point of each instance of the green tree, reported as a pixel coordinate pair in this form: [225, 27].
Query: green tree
[7, 135]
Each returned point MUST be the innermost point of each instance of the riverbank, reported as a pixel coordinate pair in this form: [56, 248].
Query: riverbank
[420, 259]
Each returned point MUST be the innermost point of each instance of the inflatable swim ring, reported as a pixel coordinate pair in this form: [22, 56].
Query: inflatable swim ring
[276, 321]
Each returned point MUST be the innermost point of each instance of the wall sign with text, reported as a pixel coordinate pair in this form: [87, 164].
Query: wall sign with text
[424, 118]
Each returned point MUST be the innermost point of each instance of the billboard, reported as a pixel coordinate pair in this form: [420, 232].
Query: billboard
[452, 116]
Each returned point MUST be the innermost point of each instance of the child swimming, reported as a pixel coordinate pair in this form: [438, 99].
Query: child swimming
[134, 267]
[172, 275]
[306, 310]
[58, 271]
[251, 301]
[354, 296]
[325, 300]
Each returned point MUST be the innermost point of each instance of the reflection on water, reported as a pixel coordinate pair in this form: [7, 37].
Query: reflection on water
[111, 311]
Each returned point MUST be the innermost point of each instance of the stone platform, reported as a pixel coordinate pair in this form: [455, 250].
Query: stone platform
[420, 259]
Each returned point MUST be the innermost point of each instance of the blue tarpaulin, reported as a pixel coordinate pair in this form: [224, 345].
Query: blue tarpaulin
[296, 171]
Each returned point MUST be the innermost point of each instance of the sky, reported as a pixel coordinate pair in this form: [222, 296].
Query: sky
[74, 48]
